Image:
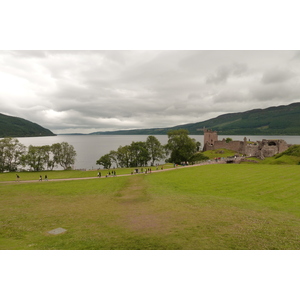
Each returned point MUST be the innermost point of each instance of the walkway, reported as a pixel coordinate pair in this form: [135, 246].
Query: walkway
[155, 171]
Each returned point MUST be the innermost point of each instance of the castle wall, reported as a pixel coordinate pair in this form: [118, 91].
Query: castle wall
[283, 146]
[251, 150]
[268, 151]
[264, 148]
[233, 145]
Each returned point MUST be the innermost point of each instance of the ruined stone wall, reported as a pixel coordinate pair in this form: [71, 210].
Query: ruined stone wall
[264, 148]
[268, 151]
[233, 145]
[282, 146]
[272, 147]
[208, 147]
[251, 150]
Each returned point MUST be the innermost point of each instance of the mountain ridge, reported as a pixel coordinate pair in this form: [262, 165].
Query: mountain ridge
[274, 120]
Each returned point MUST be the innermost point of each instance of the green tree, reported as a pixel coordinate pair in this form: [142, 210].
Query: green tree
[47, 157]
[35, 158]
[140, 155]
[114, 157]
[56, 150]
[180, 146]
[11, 151]
[155, 149]
[104, 161]
[228, 140]
[67, 155]
[64, 155]
[124, 156]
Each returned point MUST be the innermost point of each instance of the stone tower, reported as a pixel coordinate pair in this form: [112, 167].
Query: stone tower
[210, 137]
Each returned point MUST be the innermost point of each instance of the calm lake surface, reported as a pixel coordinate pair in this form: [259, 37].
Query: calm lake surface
[90, 148]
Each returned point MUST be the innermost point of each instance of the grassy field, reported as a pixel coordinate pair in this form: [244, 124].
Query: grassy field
[222, 206]
[211, 154]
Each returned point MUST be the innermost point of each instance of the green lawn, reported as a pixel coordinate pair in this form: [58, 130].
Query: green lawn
[207, 207]
[219, 153]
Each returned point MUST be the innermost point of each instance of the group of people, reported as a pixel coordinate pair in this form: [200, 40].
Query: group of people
[40, 178]
[136, 171]
[112, 173]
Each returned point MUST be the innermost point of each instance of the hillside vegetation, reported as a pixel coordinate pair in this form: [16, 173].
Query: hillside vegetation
[281, 120]
[17, 127]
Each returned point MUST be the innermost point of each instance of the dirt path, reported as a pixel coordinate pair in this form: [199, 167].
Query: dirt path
[86, 178]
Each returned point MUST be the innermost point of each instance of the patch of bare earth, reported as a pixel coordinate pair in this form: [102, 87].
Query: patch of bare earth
[135, 208]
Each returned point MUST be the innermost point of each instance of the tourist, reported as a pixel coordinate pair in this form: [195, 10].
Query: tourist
[18, 177]
[46, 178]
[40, 178]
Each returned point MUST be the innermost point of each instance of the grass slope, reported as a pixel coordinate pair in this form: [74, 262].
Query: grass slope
[206, 207]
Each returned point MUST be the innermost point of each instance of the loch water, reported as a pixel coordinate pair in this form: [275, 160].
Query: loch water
[90, 148]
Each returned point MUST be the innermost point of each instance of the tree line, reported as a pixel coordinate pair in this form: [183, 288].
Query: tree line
[38, 158]
[180, 148]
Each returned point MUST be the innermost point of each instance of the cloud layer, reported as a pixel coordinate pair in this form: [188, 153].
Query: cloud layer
[87, 91]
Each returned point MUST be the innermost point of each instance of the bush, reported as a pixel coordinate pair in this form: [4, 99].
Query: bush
[198, 157]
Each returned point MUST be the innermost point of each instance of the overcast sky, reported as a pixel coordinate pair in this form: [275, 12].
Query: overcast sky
[87, 91]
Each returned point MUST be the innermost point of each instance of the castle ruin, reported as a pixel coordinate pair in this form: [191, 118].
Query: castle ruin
[261, 149]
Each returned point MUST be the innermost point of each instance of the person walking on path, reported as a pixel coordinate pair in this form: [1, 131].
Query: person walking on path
[18, 177]
[46, 178]
[40, 178]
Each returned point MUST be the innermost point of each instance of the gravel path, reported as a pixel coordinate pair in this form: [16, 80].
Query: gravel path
[86, 178]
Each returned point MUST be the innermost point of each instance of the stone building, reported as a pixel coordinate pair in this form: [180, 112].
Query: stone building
[261, 149]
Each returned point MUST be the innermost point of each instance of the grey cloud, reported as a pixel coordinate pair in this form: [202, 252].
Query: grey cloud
[28, 53]
[230, 97]
[222, 73]
[296, 56]
[220, 76]
[87, 91]
[282, 92]
[277, 75]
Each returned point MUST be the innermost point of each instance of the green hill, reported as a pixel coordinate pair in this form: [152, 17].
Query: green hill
[280, 120]
[17, 127]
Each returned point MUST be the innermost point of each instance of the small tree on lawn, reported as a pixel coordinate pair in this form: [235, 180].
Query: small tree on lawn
[180, 145]
[155, 149]
[104, 161]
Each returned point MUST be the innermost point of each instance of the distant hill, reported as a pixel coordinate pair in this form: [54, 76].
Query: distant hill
[17, 127]
[280, 120]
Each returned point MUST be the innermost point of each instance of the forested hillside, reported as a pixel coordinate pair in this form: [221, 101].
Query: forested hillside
[17, 127]
[281, 120]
